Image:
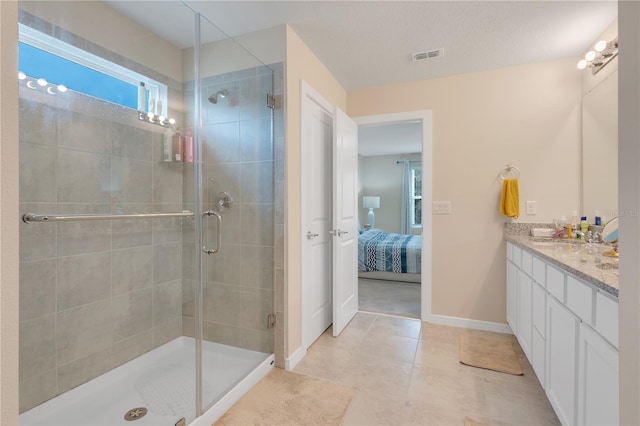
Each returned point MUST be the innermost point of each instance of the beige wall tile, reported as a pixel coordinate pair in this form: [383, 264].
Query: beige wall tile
[83, 279]
[37, 288]
[37, 346]
[83, 330]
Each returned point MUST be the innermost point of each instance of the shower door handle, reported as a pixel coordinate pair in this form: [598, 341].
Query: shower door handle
[219, 239]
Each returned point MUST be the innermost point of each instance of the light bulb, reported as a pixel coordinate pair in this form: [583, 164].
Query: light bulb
[172, 121]
[600, 46]
[21, 75]
[62, 88]
[42, 82]
[161, 119]
[590, 56]
[150, 115]
[582, 64]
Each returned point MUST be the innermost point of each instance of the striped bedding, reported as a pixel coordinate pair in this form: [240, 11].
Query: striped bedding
[382, 251]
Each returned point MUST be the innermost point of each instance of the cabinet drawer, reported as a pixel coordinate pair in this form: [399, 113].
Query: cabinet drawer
[539, 309]
[607, 318]
[517, 256]
[555, 282]
[527, 262]
[580, 299]
[539, 271]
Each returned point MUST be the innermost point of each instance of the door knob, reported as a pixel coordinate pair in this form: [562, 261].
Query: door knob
[310, 235]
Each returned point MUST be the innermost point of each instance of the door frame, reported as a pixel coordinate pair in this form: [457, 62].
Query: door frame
[306, 91]
[425, 117]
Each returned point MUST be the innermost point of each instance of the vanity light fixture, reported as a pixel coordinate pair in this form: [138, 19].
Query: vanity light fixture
[602, 53]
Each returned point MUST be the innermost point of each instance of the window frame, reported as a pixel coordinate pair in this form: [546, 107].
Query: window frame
[157, 91]
[414, 197]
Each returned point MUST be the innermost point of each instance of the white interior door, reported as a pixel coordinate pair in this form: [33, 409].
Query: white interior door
[316, 188]
[345, 228]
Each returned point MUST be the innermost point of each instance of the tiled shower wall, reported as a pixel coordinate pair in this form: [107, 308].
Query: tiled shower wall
[95, 294]
[239, 157]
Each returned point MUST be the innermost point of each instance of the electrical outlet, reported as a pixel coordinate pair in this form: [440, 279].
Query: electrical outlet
[531, 207]
[441, 207]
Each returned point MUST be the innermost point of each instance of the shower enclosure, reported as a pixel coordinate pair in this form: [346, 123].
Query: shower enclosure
[147, 189]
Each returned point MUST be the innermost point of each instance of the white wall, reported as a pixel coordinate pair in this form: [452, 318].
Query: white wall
[381, 176]
[629, 177]
[9, 213]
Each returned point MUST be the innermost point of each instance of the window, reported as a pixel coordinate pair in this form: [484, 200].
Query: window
[416, 195]
[45, 57]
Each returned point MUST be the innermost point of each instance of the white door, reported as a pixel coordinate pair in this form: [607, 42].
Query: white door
[345, 228]
[316, 163]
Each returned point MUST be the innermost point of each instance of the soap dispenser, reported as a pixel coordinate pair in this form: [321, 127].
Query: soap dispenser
[584, 225]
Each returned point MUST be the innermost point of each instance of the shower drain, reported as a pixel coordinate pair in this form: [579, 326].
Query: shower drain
[135, 414]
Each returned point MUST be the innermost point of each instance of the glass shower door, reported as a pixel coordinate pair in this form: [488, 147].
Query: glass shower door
[238, 183]
[102, 271]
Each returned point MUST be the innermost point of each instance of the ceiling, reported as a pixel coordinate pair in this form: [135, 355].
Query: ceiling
[369, 43]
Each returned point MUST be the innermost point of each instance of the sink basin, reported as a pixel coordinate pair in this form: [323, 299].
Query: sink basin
[607, 266]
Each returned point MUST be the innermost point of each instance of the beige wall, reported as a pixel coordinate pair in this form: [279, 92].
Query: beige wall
[528, 116]
[8, 213]
[301, 64]
[95, 21]
[629, 168]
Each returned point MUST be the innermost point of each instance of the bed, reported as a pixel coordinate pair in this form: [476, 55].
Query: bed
[386, 256]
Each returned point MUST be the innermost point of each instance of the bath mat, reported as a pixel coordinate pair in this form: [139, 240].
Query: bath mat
[490, 353]
[468, 421]
[285, 398]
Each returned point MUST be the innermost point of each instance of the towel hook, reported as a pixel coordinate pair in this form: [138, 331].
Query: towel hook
[509, 168]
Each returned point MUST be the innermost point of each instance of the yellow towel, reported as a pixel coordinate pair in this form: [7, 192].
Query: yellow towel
[509, 202]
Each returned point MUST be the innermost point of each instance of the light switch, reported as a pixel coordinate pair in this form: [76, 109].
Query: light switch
[531, 207]
[441, 207]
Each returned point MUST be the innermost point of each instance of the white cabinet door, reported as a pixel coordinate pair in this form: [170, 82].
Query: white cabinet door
[562, 360]
[512, 296]
[597, 380]
[524, 312]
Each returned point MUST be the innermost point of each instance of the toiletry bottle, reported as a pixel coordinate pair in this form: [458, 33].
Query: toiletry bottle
[142, 97]
[598, 219]
[574, 219]
[178, 145]
[188, 146]
[167, 146]
[569, 231]
[584, 225]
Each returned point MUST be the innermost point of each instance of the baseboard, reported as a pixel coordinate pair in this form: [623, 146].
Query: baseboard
[291, 362]
[469, 323]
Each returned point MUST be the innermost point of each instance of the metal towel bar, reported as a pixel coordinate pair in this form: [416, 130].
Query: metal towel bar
[31, 217]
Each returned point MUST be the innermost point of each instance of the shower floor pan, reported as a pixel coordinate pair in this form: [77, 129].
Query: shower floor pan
[163, 382]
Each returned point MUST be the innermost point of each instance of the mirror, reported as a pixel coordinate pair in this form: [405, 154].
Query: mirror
[600, 149]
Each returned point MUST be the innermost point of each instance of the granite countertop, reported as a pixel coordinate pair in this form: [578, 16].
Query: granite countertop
[572, 258]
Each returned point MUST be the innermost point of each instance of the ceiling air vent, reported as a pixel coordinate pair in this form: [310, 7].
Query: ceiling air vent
[429, 54]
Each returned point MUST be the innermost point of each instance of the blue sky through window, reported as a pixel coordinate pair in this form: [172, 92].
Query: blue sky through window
[38, 63]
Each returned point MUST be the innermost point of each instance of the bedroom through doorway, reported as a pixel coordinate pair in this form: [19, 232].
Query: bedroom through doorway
[390, 172]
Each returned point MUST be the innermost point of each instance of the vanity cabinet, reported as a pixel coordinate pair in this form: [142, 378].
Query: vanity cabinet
[568, 329]
[561, 357]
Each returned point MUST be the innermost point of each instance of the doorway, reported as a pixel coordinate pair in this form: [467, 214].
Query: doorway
[394, 149]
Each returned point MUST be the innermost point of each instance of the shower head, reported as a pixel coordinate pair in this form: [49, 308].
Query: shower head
[219, 94]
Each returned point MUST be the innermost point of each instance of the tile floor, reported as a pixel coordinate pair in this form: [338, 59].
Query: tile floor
[408, 373]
